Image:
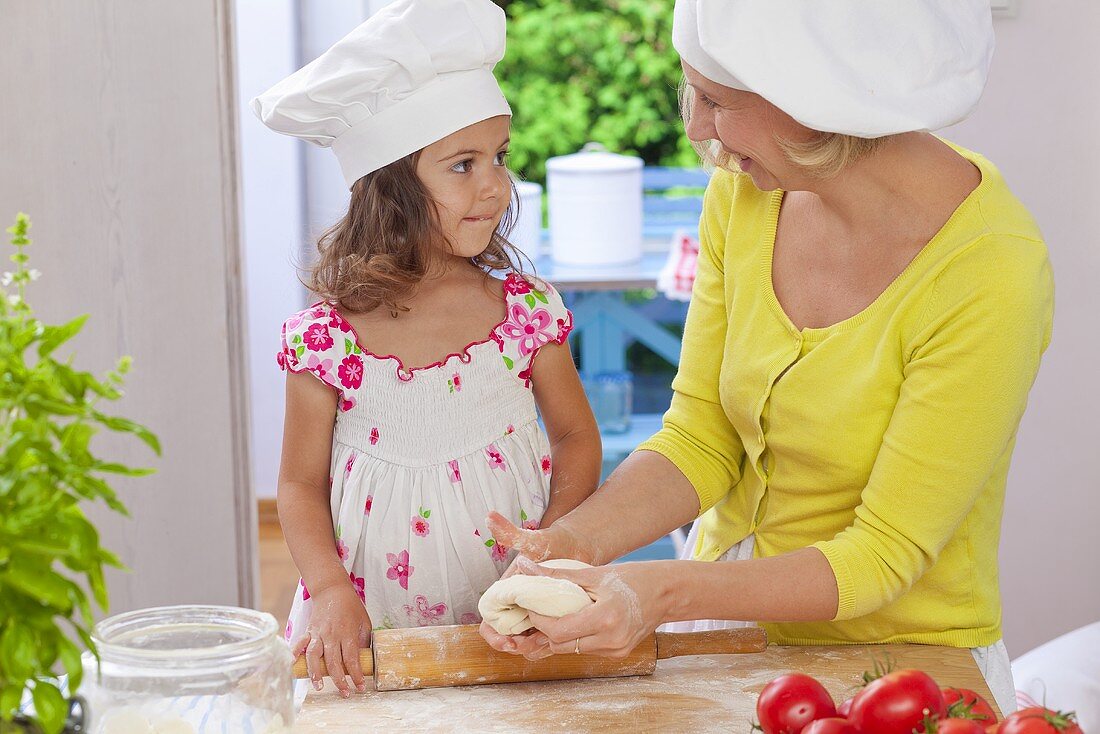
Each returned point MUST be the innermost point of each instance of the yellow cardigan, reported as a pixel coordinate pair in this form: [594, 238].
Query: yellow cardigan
[883, 440]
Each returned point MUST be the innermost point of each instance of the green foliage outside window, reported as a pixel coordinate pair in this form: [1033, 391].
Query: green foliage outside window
[592, 70]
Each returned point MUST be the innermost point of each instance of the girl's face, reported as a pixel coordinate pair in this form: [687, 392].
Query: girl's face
[746, 126]
[466, 176]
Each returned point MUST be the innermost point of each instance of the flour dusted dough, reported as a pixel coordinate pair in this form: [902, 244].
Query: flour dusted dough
[506, 603]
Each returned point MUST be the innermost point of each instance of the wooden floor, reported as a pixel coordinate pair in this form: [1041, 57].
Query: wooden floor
[278, 576]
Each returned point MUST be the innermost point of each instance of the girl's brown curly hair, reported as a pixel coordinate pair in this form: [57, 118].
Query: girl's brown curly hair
[383, 246]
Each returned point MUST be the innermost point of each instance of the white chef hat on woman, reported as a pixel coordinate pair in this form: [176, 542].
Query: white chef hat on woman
[410, 75]
[865, 68]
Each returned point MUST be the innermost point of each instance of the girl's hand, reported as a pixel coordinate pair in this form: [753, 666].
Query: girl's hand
[338, 627]
[630, 605]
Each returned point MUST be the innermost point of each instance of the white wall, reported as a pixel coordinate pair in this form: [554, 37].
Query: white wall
[273, 215]
[291, 192]
[1039, 121]
[119, 139]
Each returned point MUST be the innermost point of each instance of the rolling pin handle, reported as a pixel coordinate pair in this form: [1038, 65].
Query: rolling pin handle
[711, 642]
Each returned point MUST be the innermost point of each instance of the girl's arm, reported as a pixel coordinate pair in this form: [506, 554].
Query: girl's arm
[575, 449]
[339, 624]
[303, 496]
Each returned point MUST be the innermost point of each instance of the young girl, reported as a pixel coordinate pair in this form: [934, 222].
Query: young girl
[415, 385]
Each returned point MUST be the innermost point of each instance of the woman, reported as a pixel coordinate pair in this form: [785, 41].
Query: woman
[868, 317]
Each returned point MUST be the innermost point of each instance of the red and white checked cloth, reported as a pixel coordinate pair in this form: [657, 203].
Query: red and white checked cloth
[678, 275]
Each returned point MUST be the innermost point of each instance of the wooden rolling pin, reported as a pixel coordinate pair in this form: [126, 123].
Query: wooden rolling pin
[434, 657]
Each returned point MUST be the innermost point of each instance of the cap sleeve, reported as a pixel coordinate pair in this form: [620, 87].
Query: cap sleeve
[313, 341]
[536, 316]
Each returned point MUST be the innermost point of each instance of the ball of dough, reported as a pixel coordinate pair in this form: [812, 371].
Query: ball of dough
[505, 605]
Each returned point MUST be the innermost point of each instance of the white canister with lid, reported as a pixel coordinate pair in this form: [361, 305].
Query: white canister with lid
[595, 201]
[526, 234]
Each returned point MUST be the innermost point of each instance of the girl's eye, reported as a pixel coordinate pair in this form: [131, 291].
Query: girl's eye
[502, 157]
[463, 166]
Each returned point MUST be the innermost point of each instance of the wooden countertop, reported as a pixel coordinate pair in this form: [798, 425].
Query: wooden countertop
[697, 694]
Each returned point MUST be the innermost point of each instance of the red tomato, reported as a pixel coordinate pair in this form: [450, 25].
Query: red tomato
[1039, 720]
[845, 708]
[958, 726]
[790, 702]
[832, 725]
[897, 703]
[963, 703]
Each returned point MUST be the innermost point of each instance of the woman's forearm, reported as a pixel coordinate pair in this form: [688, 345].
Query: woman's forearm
[576, 461]
[306, 521]
[645, 498]
[794, 587]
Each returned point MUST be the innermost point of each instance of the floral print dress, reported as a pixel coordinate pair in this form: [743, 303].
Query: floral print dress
[420, 457]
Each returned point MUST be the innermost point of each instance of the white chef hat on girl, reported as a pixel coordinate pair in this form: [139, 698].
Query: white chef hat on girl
[866, 68]
[410, 75]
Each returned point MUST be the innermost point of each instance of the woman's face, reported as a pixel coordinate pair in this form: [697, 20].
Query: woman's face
[747, 127]
[466, 176]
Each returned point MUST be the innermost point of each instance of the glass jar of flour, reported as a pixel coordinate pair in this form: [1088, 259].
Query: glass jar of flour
[188, 670]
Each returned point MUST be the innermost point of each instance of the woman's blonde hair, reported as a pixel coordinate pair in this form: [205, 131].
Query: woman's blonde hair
[386, 242]
[823, 156]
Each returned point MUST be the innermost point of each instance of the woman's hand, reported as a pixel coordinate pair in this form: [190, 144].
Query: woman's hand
[338, 627]
[556, 541]
[630, 604]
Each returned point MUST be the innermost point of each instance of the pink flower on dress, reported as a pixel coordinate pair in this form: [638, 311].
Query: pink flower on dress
[351, 371]
[530, 524]
[420, 526]
[366, 508]
[500, 553]
[529, 328]
[305, 591]
[374, 436]
[509, 430]
[322, 368]
[424, 613]
[358, 583]
[337, 321]
[496, 460]
[294, 321]
[546, 465]
[346, 404]
[453, 472]
[525, 376]
[399, 570]
[317, 337]
[516, 286]
[286, 359]
[456, 383]
[350, 464]
[341, 549]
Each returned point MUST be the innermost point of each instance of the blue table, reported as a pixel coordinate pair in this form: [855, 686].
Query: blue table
[595, 296]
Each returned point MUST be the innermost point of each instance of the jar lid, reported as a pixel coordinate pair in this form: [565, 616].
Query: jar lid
[593, 158]
[196, 633]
